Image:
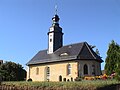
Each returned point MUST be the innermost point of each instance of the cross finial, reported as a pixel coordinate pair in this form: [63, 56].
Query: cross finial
[56, 9]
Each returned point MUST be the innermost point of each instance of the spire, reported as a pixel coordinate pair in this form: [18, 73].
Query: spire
[55, 35]
[56, 20]
[56, 9]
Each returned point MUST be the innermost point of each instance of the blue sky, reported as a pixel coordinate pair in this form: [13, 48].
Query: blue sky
[24, 25]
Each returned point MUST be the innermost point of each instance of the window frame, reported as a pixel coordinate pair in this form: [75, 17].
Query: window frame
[69, 69]
[37, 71]
[85, 67]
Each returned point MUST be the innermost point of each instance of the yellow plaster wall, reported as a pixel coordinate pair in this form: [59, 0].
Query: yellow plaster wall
[56, 69]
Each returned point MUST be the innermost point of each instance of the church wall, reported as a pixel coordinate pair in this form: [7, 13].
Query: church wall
[90, 68]
[56, 70]
[98, 66]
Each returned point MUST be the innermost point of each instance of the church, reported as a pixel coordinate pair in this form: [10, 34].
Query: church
[63, 63]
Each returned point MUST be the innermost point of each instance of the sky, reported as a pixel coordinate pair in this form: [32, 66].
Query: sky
[24, 25]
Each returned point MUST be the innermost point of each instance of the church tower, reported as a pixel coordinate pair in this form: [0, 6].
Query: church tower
[55, 35]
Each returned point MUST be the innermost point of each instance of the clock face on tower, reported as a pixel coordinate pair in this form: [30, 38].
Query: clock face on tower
[51, 29]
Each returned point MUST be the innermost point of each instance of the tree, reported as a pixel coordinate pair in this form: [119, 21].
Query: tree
[117, 70]
[11, 71]
[113, 58]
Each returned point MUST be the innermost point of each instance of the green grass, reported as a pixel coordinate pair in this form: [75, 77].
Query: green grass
[82, 84]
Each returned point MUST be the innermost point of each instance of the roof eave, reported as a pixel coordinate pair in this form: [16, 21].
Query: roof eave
[61, 59]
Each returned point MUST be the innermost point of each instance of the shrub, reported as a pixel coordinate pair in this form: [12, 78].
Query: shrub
[117, 77]
[104, 77]
[78, 79]
[89, 78]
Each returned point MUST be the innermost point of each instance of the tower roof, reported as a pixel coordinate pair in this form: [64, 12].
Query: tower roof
[55, 19]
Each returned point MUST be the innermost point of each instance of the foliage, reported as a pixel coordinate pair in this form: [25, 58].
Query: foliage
[113, 59]
[78, 79]
[11, 71]
[117, 70]
[82, 84]
[89, 78]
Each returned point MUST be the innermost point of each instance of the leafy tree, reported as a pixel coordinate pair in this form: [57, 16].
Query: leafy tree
[113, 58]
[11, 71]
[117, 70]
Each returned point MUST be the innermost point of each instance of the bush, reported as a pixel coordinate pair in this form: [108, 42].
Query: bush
[78, 79]
[11, 71]
[117, 77]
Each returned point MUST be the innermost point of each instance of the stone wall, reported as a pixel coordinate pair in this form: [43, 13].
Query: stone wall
[56, 70]
[90, 69]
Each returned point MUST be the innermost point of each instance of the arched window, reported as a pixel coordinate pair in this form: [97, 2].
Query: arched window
[68, 69]
[71, 79]
[60, 78]
[37, 71]
[85, 69]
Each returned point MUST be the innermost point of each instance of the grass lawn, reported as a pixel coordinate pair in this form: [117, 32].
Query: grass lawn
[81, 84]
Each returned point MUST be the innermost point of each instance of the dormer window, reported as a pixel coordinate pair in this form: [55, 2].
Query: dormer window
[64, 54]
[70, 46]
